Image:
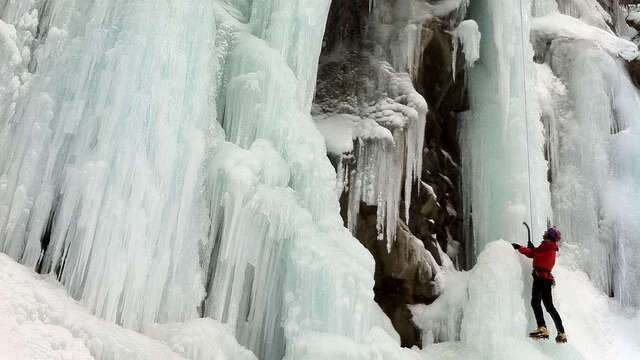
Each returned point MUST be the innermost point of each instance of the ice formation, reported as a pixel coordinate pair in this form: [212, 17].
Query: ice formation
[502, 132]
[172, 179]
[114, 160]
[468, 35]
[591, 105]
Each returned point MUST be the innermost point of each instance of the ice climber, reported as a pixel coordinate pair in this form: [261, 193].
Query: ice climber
[544, 257]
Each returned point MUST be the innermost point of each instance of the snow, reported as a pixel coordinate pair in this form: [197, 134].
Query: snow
[589, 12]
[440, 321]
[341, 130]
[469, 36]
[634, 17]
[429, 190]
[556, 25]
[40, 321]
[485, 313]
[200, 339]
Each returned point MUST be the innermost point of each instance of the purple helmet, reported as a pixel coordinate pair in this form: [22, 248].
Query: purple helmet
[552, 234]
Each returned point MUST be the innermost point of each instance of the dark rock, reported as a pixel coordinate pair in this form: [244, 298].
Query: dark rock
[634, 71]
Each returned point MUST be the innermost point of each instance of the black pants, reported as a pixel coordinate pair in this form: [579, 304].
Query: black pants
[542, 293]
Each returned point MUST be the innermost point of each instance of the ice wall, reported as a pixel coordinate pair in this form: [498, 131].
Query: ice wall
[501, 137]
[102, 155]
[590, 110]
[173, 172]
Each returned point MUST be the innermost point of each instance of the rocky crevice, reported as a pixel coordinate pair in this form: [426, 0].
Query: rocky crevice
[356, 42]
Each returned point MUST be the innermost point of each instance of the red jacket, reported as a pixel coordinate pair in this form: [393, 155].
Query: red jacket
[544, 257]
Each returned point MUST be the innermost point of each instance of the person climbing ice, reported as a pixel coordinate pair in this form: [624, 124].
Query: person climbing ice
[544, 257]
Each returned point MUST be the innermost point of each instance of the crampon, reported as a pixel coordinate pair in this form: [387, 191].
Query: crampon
[539, 333]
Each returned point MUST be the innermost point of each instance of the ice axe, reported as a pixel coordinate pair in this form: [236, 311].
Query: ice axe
[529, 243]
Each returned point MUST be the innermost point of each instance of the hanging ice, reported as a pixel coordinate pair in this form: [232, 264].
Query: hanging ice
[501, 138]
[381, 157]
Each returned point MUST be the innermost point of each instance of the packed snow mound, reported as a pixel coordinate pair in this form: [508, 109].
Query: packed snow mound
[556, 25]
[341, 130]
[40, 321]
[200, 339]
[378, 346]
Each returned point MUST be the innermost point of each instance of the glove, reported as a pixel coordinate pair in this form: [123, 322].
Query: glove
[530, 245]
[515, 246]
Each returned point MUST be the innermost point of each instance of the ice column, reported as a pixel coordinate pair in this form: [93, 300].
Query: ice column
[283, 269]
[501, 138]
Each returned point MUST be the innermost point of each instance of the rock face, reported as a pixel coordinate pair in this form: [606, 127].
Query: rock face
[439, 196]
[634, 71]
[358, 39]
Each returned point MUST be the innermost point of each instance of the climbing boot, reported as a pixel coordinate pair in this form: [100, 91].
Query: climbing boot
[540, 333]
[561, 338]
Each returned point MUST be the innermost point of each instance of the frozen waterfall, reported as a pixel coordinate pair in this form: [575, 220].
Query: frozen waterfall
[116, 176]
[169, 194]
[591, 116]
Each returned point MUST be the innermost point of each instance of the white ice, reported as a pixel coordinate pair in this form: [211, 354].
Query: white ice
[155, 212]
[557, 25]
[590, 111]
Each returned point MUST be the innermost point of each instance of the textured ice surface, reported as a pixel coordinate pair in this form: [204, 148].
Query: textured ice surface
[588, 110]
[385, 159]
[440, 321]
[200, 339]
[103, 154]
[117, 178]
[501, 139]
[589, 12]
[590, 103]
